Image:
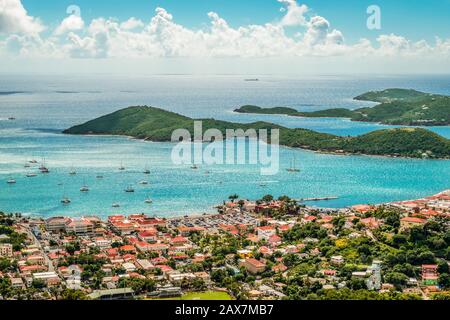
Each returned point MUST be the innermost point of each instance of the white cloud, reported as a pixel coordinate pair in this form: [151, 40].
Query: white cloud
[295, 13]
[163, 37]
[71, 23]
[14, 19]
[131, 24]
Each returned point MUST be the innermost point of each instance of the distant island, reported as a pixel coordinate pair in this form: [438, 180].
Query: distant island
[397, 107]
[156, 124]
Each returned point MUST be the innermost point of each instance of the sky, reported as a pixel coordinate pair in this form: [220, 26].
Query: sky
[225, 36]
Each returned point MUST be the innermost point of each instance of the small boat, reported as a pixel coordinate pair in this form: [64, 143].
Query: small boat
[26, 165]
[116, 205]
[293, 168]
[149, 201]
[11, 118]
[143, 182]
[33, 161]
[99, 177]
[43, 168]
[66, 200]
[72, 172]
[194, 167]
[11, 181]
[263, 184]
[146, 171]
[84, 188]
[31, 175]
[129, 189]
[121, 168]
[252, 79]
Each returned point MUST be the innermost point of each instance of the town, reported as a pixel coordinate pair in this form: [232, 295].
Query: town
[269, 249]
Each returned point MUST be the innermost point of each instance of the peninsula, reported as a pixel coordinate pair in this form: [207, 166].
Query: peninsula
[396, 107]
[155, 124]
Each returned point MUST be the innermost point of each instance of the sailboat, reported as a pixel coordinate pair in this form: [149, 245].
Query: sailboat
[293, 167]
[121, 168]
[143, 182]
[31, 175]
[146, 171]
[116, 205]
[72, 171]
[84, 188]
[148, 200]
[26, 165]
[11, 181]
[65, 200]
[129, 189]
[43, 168]
[194, 167]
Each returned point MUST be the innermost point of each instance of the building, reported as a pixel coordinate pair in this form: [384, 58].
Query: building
[253, 266]
[337, 260]
[80, 226]
[6, 250]
[112, 294]
[264, 233]
[56, 224]
[429, 274]
[409, 222]
[50, 278]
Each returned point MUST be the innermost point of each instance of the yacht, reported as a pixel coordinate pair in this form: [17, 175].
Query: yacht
[194, 167]
[43, 168]
[148, 200]
[84, 188]
[116, 205]
[129, 189]
[65, 200]
[72, 172]
[31, 175]
[33, 161]
[143, 182]
[293, 168]
[146, 171]
[121, 168]
[11, 181]
[26, 165]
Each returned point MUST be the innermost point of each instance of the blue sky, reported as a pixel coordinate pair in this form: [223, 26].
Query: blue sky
[413, 19]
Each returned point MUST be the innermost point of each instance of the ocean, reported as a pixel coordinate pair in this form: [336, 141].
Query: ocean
[44, 105]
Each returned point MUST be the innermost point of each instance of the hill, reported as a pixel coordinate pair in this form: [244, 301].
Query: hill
[157, 125]
[397, 107]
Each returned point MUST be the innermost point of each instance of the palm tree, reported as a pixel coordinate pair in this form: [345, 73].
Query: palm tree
[233, 197]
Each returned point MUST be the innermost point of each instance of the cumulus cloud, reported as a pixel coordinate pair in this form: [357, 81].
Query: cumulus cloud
[162, 36]
[71, 23]
[14, 19]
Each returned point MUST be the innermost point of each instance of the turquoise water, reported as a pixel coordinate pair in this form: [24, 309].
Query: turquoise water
[47, 106]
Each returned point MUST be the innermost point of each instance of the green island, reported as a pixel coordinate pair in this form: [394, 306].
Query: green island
[396, 107]
[156, 124]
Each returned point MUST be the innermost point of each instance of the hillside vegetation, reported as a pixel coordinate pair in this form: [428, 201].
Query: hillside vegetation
[397, 107]
[157, 125]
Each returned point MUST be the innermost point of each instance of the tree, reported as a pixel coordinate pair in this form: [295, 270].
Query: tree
[444, 281]
[267, 198]
[233, 197]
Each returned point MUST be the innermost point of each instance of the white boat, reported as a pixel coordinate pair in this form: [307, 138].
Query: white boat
[84, 188]
[33, 161]
[121, 168]
[293, 168]
[143, 182]
[129, 189]
[149, 201]
[116, 205]
[11, 181]
[66, 200]
[31, 175]
[194, 167]
[72, 172]
[43, 168]
[146, 171]
[26, 165]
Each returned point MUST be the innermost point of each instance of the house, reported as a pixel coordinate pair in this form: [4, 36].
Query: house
[265, 232]
[337, 260]
[49, 278]
[429, 274]
[80, 226]
[253, 266]
[409, 222]
[6, 250]
[149, 235]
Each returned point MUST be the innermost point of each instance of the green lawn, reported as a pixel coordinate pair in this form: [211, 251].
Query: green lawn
[209, 295]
